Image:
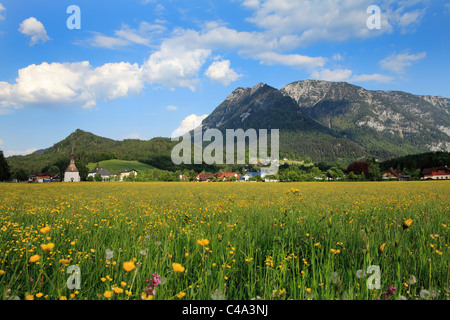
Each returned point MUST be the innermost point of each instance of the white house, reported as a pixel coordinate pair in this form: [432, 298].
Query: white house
[126, 173]
[101, 171]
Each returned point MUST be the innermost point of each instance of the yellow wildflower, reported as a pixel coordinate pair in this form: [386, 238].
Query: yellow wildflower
[128, 266]
[47, 247]
[35, 258]
[177, 267]
[407, 223]
[203, 242]
[45, 230]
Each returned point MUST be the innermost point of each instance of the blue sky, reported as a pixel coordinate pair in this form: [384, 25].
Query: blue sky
[150, 68]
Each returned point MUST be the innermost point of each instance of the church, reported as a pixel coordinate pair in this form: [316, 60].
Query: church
[71, 174]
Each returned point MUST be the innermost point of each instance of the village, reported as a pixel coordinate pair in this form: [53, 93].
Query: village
[100, 174]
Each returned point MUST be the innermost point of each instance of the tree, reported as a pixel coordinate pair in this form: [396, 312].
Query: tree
[335, 173]
[98, 177]
[374, 171]
[358, 168]
[20, 175]
[5, 175]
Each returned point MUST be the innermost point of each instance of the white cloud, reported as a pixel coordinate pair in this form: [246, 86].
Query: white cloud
[348, 76]
[1, 142]
[332, 75]
[10, 153]
[291, 60]
[171, 108]
[35, 29]
[221, 72]
[189, 123]
[399, 62]
[134, 136]
[2, 8]
[315, 21]
[70, 83]
[127, 36]
[175, 68]
[376, 77]
[324, 20]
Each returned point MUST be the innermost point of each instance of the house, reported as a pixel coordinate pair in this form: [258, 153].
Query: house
[440, 173]
[124, 174]
[391, 174]
[249, 175]
[41, 177]
[204, 177]
[71, 174]
[224, 176]
[101, 171]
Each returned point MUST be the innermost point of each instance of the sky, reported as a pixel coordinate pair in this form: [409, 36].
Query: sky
[139, 69]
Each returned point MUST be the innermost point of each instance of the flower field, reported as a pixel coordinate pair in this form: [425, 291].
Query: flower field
[203, 241]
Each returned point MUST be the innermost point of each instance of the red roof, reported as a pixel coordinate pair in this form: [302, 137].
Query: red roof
[393, 172]
[224, 175]
[442, 170]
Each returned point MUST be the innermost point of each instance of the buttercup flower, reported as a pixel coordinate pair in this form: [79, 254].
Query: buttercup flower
[407, 223]
[35, 258]
[128, 266]
[177, 267]
[203, 242]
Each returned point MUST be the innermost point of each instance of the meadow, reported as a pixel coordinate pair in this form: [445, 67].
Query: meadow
[234, 241]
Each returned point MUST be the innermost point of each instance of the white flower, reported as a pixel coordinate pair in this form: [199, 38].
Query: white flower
[425, 294]
[109, 254]
[143, 252]
[402, 298]
[412, 280]
[360, 274]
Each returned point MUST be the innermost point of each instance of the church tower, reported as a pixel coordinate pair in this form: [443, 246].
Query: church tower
[71, 174]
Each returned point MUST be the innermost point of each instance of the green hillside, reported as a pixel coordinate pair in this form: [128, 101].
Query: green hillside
[114, 165]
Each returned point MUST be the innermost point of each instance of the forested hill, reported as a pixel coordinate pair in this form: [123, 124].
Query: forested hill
[90, 148]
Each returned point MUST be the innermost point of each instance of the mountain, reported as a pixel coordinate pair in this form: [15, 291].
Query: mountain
[338, 121]
[90, 148]
[325, 121]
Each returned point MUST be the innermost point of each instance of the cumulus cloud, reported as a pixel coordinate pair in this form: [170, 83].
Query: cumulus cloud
[35, 30]
[174, 68]
[221, 72]
[399, 62]
[189, 123]
[70, 83]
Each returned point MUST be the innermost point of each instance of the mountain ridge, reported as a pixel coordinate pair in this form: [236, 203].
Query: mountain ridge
[323, 120]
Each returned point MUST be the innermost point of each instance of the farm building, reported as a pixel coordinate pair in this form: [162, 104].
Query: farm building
[41, 177]
[440, 173]
[203, 177]
[227, 176]
[101, 171]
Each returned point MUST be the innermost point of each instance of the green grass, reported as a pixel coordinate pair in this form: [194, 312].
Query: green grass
[274, 241]
[113, 165]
